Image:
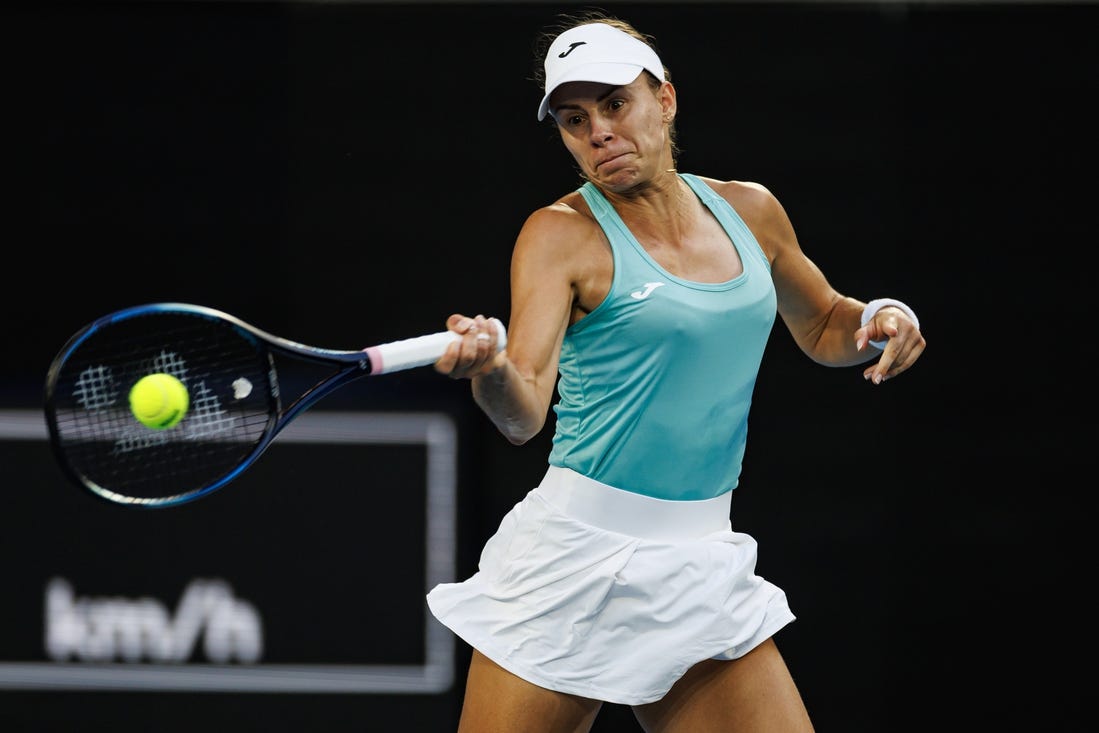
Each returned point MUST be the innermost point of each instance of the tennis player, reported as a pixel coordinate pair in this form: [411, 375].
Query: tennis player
[650, 293]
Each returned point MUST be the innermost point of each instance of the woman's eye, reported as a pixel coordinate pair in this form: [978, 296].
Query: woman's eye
[617, 103]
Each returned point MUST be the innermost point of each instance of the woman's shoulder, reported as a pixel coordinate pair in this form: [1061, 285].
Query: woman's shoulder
[569, 214]
[748, 195]
[562, 237]
[753, 201]
[761, 211]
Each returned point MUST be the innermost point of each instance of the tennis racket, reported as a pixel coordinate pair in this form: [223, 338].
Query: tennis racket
[235, 408]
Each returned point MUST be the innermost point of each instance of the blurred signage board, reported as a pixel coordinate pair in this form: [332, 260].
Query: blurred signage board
[305, 574]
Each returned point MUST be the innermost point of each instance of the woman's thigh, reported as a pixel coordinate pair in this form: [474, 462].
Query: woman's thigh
[496, 701]
[752, 694]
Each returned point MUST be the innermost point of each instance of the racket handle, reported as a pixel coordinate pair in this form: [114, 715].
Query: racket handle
[420, 350]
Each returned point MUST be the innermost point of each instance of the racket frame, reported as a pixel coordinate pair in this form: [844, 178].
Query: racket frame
[351, 365]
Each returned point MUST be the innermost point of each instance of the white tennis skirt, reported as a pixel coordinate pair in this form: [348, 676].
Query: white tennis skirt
[594, 591]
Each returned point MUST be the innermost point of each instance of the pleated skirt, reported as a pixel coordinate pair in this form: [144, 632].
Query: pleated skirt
[612, 595]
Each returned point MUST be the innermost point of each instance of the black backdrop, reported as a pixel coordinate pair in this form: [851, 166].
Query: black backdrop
[349, 173]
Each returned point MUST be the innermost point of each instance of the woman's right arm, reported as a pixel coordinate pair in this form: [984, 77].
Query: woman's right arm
[515, 387]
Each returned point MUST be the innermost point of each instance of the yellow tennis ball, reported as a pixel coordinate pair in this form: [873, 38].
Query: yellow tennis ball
[159, 401]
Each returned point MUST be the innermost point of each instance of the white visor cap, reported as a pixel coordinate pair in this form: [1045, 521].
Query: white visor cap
[596, 52]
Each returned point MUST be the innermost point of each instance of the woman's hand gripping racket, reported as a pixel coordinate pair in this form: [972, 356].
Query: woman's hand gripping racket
[130, 446]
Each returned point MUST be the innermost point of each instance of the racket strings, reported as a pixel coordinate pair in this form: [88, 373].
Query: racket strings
[232, 386]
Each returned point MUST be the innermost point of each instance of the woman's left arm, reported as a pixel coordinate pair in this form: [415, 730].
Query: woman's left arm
[831, 328]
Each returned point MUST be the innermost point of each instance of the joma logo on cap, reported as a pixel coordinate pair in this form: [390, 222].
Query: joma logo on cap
[572, 47]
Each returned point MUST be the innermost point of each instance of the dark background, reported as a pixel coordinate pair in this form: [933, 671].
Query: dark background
[350, 173]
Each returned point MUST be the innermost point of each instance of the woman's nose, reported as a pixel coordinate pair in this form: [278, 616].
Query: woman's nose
[600, 130]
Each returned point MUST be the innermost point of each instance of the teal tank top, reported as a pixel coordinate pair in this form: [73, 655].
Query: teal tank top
[656, 382]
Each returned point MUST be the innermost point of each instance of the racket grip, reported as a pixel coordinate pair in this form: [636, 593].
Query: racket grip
[420, 350]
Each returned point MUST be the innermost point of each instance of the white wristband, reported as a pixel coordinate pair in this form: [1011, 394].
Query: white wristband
[876, 305]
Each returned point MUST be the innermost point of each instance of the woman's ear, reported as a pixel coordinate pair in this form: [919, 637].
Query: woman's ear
[667, 100]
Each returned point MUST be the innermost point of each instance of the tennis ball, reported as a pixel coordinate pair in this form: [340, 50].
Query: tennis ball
[159, 401]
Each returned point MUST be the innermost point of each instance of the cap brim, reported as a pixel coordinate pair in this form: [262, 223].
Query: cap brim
[600, 73]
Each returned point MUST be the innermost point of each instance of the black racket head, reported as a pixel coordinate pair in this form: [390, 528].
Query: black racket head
[233, 414]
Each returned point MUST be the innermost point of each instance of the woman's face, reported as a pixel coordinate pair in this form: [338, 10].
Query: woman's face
[618, 135]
